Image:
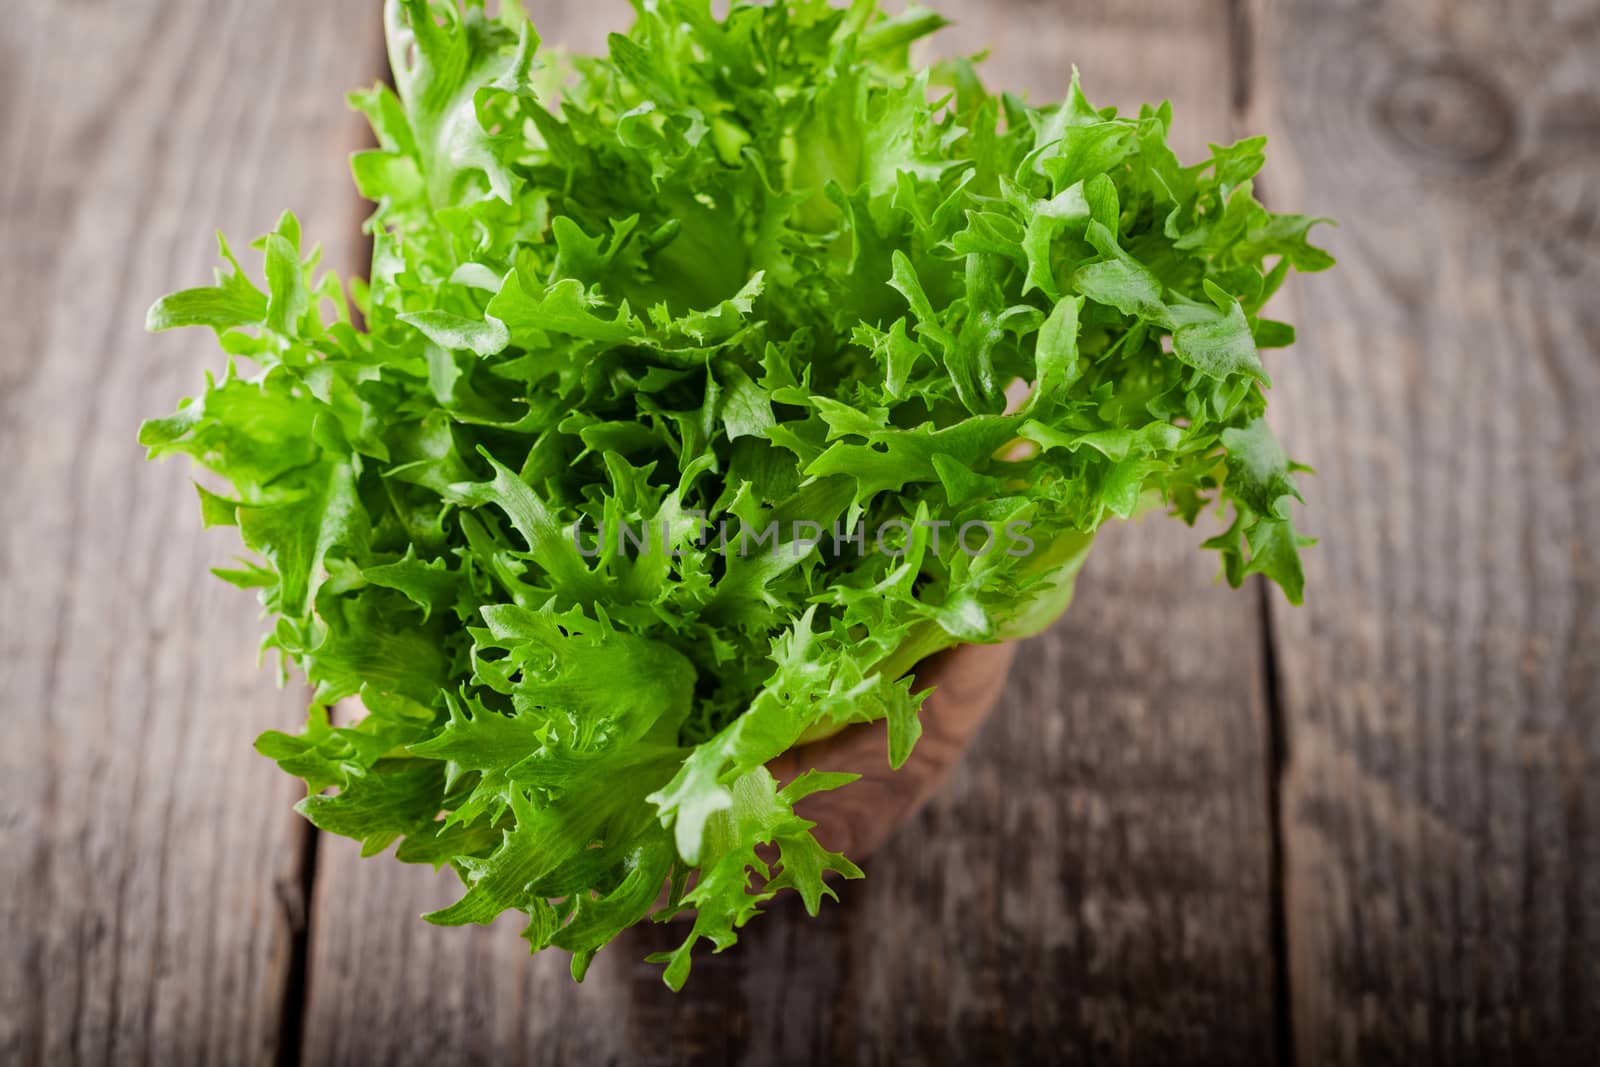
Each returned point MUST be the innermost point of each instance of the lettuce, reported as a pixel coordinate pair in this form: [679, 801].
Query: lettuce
[698, 392]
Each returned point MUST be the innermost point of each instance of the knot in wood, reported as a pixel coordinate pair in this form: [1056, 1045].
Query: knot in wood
[1448, 115]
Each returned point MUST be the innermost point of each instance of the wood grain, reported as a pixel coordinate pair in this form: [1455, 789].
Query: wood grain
[1094, 883]
[1442, 686]
[151, 883]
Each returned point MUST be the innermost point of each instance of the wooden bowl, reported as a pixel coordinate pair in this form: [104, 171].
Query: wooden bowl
[857, 819]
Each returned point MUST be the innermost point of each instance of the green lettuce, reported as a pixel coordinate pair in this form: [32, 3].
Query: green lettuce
[810, 321]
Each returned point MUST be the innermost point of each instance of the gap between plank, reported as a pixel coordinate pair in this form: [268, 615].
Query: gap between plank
[1241, 94]
[1242, 53]
[296, 983]
[1277, 762]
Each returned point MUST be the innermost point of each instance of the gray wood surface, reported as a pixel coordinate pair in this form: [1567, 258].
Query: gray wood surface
[150, 884]
[1201, 827]
[1441, 688]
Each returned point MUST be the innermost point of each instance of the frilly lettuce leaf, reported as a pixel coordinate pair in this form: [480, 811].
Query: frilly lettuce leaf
[758, 275]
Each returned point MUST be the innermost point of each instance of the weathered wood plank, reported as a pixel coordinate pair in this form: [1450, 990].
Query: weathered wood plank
[1093, 884]
[151, 882]
[1442, 686]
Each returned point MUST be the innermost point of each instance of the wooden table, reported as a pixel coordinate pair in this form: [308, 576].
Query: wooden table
[1203, 827]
